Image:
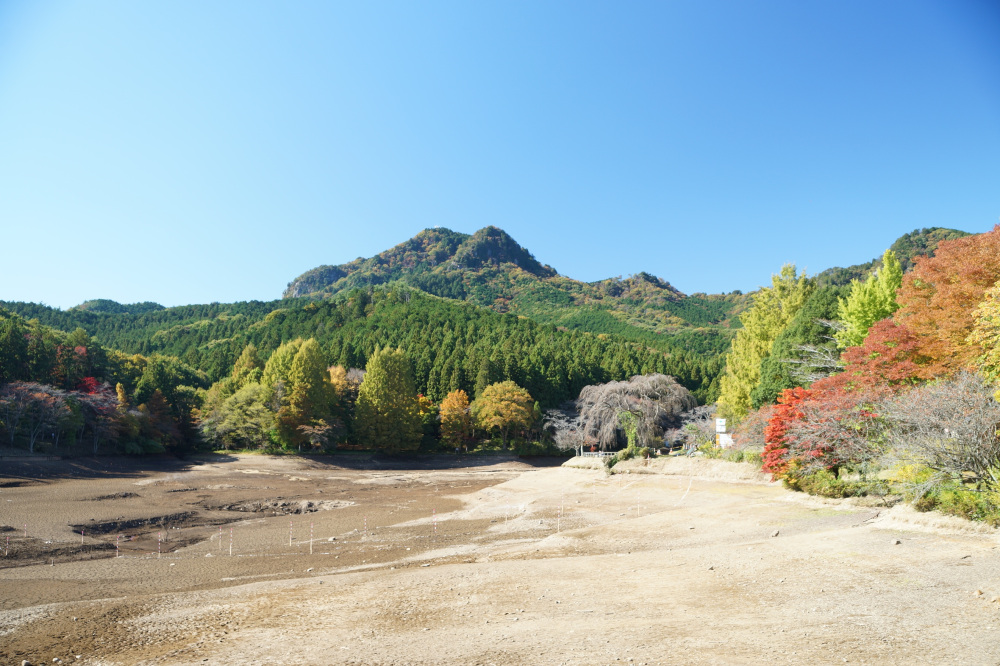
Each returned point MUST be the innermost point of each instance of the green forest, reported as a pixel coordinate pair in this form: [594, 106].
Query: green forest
[452, 342]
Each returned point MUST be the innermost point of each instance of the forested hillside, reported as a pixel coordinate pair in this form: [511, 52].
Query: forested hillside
[148, 376]
[438, 334]
[489, 268]
[917, 243]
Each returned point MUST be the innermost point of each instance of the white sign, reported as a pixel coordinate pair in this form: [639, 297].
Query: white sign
[720, 425]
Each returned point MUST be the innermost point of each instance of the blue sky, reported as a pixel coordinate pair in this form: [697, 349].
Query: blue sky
[189, 152]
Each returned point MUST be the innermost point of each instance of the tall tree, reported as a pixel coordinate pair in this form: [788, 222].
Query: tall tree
[804, 351]
[503, 407]
[456, 422]
[248, 368]
[308, 393]
[985, 333]
[276, 370]
[939, 297]
[869, 301]
[773, 308]
[388, 412]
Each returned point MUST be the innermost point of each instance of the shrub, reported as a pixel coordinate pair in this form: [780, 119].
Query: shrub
[950, 426]
[826, 484]
[956, 500]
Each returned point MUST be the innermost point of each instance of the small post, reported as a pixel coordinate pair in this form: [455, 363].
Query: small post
[289, 533]
[118, 541]
[159, 540]
[366, 527]
[220, 538]
[434, 512]
[81, 537]
[26, 530]
[6, 550]
[230, 542]
[310, 538]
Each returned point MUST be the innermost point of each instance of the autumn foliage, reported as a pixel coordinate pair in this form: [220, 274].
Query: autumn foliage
[456, 422]
[889, 356]
[939, 297]
[776, 449]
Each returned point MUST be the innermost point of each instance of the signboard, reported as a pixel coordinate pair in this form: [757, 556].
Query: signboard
[720, 425]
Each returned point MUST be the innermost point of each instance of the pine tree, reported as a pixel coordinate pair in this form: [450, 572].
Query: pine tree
[388, 413]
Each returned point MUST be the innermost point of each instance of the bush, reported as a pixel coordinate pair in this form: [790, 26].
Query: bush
[149, 446]
[826, 484]
[956, 500]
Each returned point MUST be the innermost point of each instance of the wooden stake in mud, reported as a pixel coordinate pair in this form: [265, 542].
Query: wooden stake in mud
[366, 527]
[230, 542]
[118, 546]
[81, 537]
[26, 530]
[220, 538]
[6, 550]
[310, 538]
[159, 540]
[289, 533]
[435, 513]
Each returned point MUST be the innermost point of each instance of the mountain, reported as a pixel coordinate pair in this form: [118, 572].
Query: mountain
[491, 269]
[907, 247]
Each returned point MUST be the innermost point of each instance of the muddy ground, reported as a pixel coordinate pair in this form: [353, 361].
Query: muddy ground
[258, 560]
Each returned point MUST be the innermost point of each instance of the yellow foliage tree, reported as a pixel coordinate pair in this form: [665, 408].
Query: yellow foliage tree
[503, 407]
[773, 307]
[456, 422]
[986, 333]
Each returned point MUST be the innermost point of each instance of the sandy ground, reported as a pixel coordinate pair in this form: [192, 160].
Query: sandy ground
[676, 562]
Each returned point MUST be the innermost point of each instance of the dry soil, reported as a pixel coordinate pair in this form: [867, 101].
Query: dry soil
[258, 560]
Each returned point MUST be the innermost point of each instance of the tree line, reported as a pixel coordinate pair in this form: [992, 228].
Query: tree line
[887, 385]
[199, 358]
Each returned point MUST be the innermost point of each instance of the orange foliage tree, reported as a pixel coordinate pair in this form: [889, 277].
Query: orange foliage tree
[889, 357]
[939, 296]
[456, 423]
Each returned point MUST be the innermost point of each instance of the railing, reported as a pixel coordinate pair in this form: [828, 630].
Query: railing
[597, 454]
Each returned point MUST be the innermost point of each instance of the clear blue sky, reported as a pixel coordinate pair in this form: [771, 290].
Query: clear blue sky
[188, 152]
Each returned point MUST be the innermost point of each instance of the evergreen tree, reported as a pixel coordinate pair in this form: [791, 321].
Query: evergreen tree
[388, 412]
[789, 363]
[13, 349]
